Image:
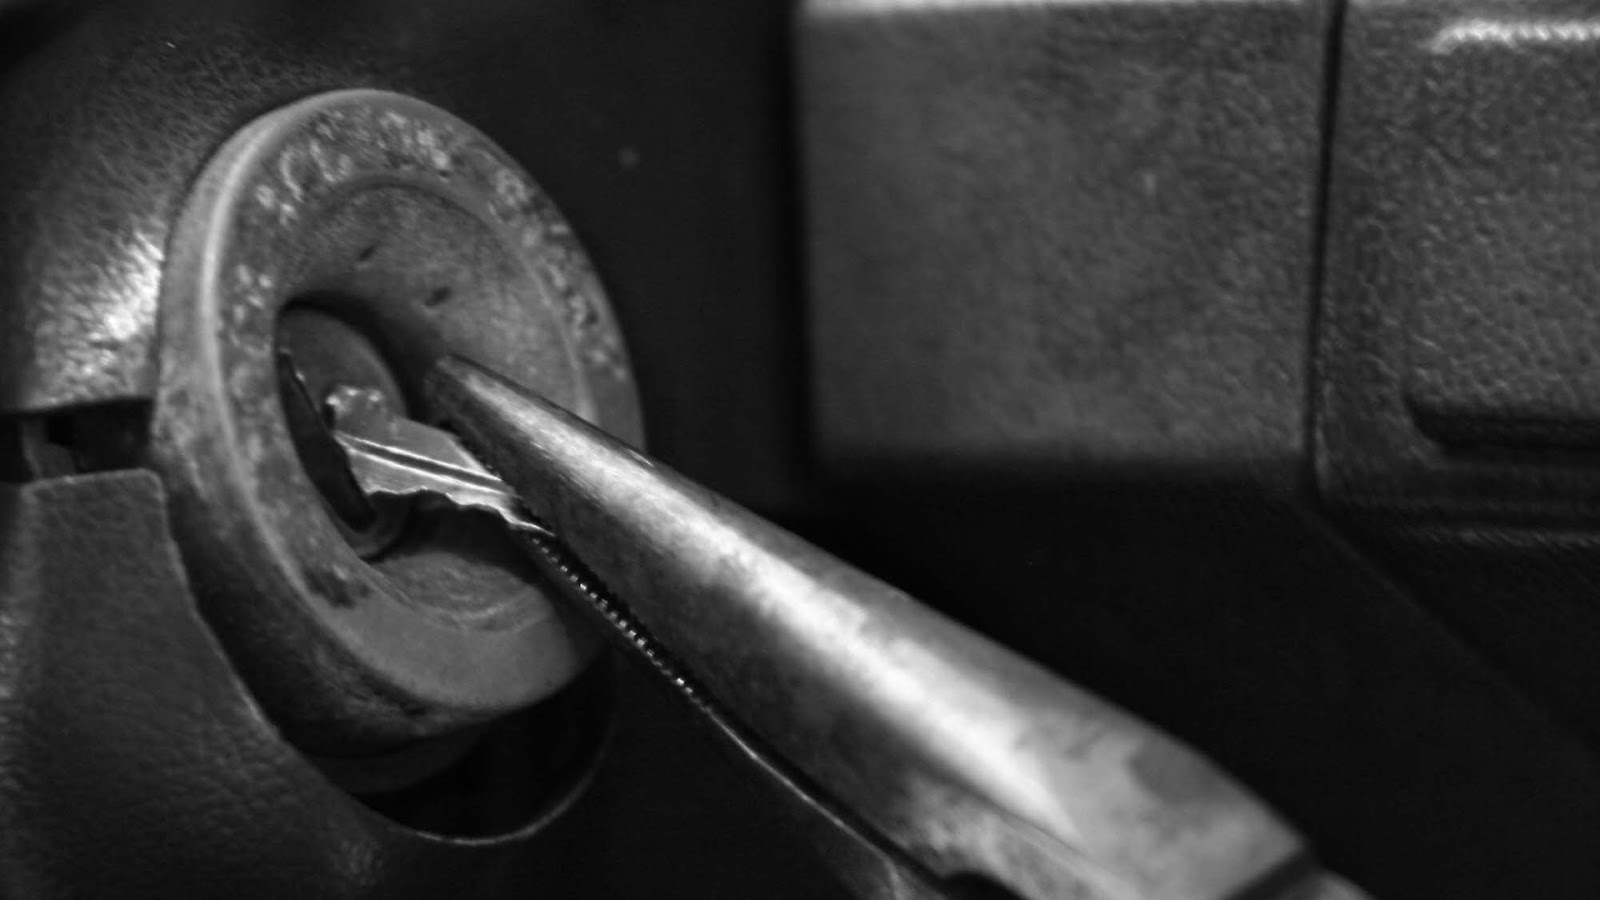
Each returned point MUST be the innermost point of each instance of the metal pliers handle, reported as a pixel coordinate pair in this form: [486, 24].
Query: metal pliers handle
[932, 759]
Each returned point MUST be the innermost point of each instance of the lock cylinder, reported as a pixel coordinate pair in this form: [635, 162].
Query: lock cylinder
[351, 238]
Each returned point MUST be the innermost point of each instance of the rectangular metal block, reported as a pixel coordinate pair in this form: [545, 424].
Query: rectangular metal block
[1498, 172]
[1062, 236]
[1459, 324]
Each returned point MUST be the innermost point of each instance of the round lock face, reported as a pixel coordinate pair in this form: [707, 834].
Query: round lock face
[350, 239]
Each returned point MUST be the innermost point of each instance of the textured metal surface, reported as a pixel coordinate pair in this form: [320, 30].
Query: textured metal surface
[1460, 230]
[964, 756]
[1062, 238]
[1502, 343]
[81, 270]
[1456, 385]
[392, 215]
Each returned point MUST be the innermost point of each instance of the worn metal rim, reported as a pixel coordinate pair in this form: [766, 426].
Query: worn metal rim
[327, 641]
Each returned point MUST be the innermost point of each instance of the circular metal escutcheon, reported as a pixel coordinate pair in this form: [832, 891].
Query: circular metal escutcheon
[411, 235]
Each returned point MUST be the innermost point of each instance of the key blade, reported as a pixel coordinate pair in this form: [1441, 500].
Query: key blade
[320, 455]
[392, 456]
